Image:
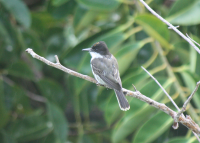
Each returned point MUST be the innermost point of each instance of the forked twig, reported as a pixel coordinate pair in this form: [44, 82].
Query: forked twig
[186, 103]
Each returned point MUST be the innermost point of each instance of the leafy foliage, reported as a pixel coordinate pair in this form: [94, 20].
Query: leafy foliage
[41, 104]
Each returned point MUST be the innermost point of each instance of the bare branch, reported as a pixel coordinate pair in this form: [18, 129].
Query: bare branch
[59, 66]
[186, 103]
[170, 25]
[186, 121]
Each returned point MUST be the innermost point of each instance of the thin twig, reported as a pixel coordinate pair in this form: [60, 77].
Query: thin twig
[192, 40]
[186, 102]
[57, 60]
[196, 136]
[188, 122]
[174, 26]
[170, 25]
[31, 95]
[162, 88]
[36, 97]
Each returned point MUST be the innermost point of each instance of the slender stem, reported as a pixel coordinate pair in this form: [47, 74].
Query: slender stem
[196, 136]
[158, 69]
[31, 95]
[192, 40]
[151, 60]
[180, 69]
[133, 31]
[162, 89]
[172, 27]
[186, 102]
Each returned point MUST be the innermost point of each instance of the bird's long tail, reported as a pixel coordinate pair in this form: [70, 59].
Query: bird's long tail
[123, 103]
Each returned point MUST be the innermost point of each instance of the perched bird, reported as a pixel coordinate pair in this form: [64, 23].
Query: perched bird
[105, 70]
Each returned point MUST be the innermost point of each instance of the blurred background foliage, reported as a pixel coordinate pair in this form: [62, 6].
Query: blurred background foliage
[41, 104]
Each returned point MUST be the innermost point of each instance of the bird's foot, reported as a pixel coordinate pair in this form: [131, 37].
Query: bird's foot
[124, 92]
[99, 84]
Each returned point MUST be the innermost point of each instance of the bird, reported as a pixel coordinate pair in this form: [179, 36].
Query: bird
[105, 70]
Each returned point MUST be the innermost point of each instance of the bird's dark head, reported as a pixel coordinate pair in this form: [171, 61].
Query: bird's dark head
[100, 48]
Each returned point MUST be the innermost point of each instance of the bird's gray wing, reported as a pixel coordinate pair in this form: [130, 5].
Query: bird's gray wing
[107, 73]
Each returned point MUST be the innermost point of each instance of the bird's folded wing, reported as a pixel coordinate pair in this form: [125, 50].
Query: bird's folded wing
[108, 78]
[112, 84]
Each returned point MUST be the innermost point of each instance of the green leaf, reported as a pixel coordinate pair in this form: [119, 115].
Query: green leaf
[183, 140]
[127, 54]
[58, 2]
[83, 18]
[79, 13]
[137, 78]
[155, 28]
[6, 138]
[19, 11]
[181, 50]
[194, 58]
[57, 118]
[20, 100]
[40, 20]
[4, 34]
[100, 5]
[153, 128]
[129, 124]
[185, 12]
[21, 69]
[32, 40]
[53, 91]
[50, 138]
[60, 9]
[3, 112]
[30, 128]
[131, 121]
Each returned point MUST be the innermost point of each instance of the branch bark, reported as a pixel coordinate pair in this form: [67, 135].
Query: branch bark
[186, 121]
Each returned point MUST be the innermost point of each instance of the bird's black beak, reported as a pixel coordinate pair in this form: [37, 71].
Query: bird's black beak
[87, 49]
